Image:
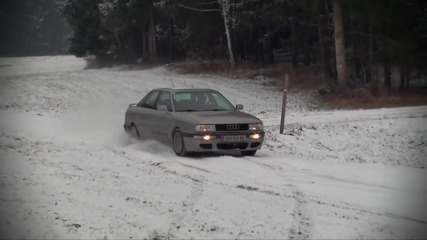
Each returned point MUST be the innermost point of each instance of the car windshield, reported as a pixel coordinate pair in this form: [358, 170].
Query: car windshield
[186, 101]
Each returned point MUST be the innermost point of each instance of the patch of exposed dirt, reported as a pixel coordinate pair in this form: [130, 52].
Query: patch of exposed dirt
[305, 79]
[363, 99]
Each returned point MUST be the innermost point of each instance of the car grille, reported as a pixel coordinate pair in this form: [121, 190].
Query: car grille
[255, 144]
[206, 146]
[231, 127]
[229, 146]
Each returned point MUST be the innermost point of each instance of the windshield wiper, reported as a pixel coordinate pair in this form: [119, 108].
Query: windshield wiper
[216, 109]
[202, 110]
[188, 110]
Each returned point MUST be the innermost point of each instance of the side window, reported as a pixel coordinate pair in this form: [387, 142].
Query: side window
[182, 101]
[150, 101]
[182, 96]
[165, 99]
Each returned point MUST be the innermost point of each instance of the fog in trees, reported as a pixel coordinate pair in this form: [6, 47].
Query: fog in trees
[32, 27]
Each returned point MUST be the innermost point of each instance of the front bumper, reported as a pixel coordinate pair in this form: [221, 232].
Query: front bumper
[194, 142]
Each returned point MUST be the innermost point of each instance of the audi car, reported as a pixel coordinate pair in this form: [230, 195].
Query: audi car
[194, 120]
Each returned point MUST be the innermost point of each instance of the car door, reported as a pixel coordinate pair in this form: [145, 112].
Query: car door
[146, 117]
[163, 122]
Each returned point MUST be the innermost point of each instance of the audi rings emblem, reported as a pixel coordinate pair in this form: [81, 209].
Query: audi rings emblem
[233, 127]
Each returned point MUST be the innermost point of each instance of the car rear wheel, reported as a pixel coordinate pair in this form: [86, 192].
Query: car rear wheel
[248, 153]
[134, 132]
[178, 144]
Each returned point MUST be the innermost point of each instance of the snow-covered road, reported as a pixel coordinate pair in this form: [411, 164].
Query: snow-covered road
[68, 170]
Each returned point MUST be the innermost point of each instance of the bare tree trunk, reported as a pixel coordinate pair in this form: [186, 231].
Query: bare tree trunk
[371, 55]
[171, 39]
[241, 53]
[268, 48]
[307, 44]
[119, 43]
[408, 76]
[329, 51]
[225, 7]
[387, 72]
[152, 38]
[402, 76]
[321, 39]
[372, 75]
[321, 46]
[387, 65]
[150, 42]
[294, 37]
[339, 45]
[116, 35]
[306, 48]
[144, 44]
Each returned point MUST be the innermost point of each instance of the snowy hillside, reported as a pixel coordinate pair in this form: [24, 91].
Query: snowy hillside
[69, 171]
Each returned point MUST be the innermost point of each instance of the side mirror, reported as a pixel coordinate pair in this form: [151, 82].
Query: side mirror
[162, 108]
[239, 107]
[133, 104]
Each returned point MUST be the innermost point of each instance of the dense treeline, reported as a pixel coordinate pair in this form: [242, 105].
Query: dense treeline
[358, 43]
[32, 27]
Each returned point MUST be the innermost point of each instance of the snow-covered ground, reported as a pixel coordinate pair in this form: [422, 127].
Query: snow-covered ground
[69, 171]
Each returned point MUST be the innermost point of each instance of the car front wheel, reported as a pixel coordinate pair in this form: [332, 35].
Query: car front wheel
[178, 144]
[134, 132]
[250, 153]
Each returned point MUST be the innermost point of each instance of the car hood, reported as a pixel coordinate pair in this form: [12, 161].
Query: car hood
[221, 117]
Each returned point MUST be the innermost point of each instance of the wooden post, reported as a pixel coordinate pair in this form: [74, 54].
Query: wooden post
[285, 95]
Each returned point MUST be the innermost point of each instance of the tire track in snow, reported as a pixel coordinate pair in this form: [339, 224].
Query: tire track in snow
[197, 189]
[301, 222]
[301, 226]
[194, 167]
[347, 206]
[278, 169]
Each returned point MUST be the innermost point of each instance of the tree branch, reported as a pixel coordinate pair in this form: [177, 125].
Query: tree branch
[199, 9]
[274, 30]
[207, 3]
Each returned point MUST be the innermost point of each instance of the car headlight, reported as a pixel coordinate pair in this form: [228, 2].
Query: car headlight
[256, 127]
[205, 128]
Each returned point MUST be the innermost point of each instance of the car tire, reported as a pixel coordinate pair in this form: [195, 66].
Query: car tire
[249, 153]
[134, 132]
[178, 144]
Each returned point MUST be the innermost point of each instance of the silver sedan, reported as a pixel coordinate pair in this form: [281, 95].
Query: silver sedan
[194, 120]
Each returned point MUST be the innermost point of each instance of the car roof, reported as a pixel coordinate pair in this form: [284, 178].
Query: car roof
[185, 89]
